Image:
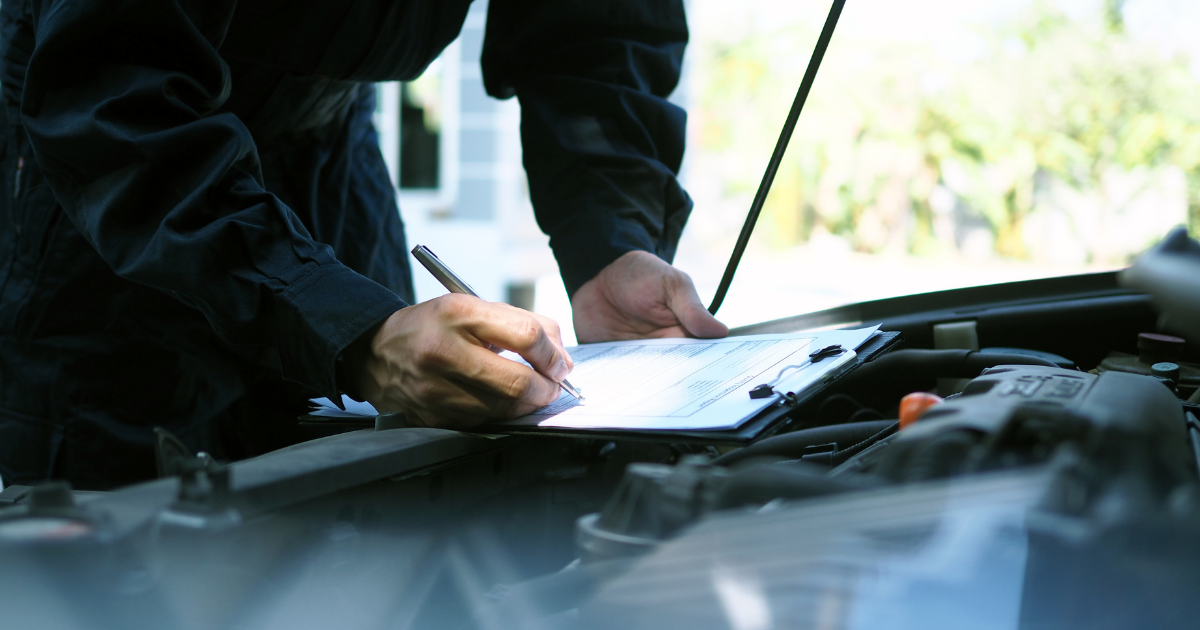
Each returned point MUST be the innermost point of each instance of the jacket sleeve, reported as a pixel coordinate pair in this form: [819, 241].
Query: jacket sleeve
[602, 145]
[121, 105]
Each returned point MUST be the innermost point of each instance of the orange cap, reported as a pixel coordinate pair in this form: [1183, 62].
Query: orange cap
[915, 404]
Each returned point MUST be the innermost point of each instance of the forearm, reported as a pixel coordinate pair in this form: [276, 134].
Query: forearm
[602, 144]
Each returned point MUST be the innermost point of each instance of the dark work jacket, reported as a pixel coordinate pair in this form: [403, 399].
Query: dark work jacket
[196, 219]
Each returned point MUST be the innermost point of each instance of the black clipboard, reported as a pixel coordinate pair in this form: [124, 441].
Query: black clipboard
[769, 421]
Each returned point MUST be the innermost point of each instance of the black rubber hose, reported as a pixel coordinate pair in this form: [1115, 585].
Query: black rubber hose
[929, 364]
[760, 484]
[844, 455]
[792, 445]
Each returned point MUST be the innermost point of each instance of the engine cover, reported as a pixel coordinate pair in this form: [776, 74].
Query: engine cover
[1021, 414]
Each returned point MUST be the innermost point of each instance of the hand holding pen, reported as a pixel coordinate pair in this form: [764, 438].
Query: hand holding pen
[433, 362]
[455, 284]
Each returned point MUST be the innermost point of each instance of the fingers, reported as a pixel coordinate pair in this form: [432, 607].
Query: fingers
[535, 338]
[640, 296]
[504, 378]
[685, 303]
[451, 403]
[434, 362]
[555, 334]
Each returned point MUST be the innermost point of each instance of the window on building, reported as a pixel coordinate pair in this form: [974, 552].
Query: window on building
[421, 111]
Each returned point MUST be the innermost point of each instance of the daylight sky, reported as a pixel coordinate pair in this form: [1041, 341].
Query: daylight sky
[1172, 24]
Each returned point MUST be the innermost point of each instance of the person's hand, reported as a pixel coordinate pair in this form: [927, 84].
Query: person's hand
[640, 296]
[435, 362]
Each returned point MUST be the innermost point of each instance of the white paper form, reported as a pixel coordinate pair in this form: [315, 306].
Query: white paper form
[687, 384]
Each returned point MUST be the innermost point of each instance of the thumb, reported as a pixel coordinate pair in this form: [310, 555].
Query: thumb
[690, 311]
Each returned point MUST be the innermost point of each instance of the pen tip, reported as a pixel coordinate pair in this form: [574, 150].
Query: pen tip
[570, 389]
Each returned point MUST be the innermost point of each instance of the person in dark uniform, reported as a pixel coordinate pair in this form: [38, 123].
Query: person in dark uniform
[199, 232]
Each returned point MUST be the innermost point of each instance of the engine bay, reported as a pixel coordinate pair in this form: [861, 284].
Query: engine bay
[1046, 477]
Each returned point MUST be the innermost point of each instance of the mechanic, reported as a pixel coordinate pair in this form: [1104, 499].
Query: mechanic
[201, 233]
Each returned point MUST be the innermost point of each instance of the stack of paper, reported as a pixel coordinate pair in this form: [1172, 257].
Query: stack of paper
[688, 384]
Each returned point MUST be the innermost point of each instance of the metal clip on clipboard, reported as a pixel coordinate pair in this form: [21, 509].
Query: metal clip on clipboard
[766, 390]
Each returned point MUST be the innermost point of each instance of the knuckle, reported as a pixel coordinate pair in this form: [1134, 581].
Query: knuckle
[529, 334]
[516, 386]
[454, 305]
[453, 299]
[685, 281]
[674, 280]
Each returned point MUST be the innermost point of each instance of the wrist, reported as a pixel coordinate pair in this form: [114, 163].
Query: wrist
[352, 363]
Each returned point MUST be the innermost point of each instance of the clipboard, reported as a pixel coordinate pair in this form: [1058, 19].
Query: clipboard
[770, 421]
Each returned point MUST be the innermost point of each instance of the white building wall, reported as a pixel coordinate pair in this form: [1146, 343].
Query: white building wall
[480, 221]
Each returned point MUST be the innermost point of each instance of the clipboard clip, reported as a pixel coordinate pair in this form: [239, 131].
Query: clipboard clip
[762, 391]
[766, 390]
[824, 353]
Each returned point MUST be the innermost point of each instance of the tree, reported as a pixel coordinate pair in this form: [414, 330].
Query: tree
[1066, 138]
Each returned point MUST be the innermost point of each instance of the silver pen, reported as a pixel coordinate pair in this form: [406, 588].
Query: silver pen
[455, 284]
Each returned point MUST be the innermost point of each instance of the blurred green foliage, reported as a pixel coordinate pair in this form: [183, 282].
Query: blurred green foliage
[894, 133]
